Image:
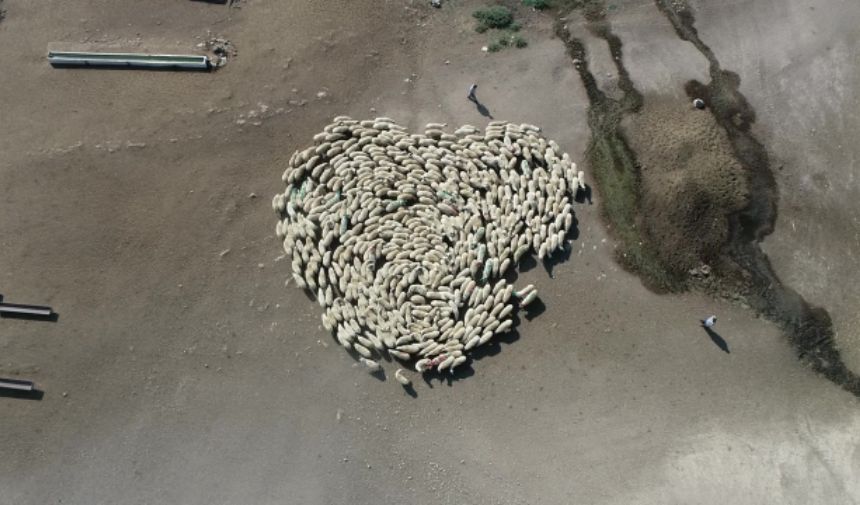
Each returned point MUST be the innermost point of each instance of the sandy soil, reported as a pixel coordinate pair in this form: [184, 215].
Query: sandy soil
[805, 90]
[690, 182]
[181, 370]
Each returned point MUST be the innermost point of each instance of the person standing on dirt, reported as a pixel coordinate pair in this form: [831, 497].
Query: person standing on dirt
[471, 96]
[709, 322]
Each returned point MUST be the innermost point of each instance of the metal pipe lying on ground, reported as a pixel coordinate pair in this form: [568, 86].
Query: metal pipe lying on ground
[28, 310]
[17, 385]
[128, 60]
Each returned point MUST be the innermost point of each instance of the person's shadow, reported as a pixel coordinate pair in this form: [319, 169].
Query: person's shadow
[482, 109]
[583, 195]
[717, 339]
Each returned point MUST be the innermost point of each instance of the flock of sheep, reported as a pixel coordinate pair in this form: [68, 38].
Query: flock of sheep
[405, 239]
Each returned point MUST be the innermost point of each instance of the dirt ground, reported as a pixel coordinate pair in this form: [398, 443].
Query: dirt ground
[806, 94]
[182, 370]
[689, 181]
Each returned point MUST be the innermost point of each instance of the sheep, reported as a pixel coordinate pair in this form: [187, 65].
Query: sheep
[402, 379]
[371, 365]
[398, 236]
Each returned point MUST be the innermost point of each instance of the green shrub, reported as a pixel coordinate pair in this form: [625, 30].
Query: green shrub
[496, 16]
[519, 42]
[537, 4]
[504, 41]
[494, 47]
[515, 27]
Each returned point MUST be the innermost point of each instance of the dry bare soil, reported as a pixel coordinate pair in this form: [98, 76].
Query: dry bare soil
[182, 370]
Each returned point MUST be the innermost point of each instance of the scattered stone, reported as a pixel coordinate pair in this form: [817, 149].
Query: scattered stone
[221, 49]
[223, 253]
[700, 271]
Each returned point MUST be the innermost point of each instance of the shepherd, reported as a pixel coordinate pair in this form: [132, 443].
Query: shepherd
[471, 96]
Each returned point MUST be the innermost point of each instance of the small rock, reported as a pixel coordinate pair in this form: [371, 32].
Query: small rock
[225, 252]
[699, 103]
[65, 394]
[252, 195]
[485, 49]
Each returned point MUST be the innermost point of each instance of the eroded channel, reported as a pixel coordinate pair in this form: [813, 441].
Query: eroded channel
[741, 270]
